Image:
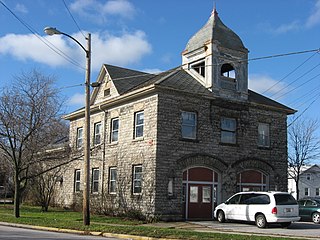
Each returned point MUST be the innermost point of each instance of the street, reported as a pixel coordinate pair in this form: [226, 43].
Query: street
[297, 229]
[13, 233]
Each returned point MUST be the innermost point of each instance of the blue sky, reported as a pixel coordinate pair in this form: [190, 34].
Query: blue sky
[150, 36]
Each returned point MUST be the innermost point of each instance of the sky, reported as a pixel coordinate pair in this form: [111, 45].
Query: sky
[149, 35]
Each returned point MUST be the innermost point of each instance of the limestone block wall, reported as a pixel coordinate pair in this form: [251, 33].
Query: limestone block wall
[123, 154]
[175, 154]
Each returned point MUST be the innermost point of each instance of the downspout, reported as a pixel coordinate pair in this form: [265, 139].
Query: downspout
[103, 154]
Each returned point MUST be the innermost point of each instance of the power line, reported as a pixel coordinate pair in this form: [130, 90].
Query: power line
[295, 69]
[73, 18]
[304, 74]
[304, 111]
[44, 40]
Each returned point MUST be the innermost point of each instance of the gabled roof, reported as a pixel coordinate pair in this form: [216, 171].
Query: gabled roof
[125, 79]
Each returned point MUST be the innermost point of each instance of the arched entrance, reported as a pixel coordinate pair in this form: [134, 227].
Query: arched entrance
[252, 180]
[200, 187]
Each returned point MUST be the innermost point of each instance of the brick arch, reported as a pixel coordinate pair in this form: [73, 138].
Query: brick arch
[200, 159]
[253, 163]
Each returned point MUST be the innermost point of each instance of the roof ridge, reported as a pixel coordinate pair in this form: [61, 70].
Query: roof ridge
[170, 73]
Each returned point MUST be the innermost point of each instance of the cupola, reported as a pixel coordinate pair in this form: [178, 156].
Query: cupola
[217, 58]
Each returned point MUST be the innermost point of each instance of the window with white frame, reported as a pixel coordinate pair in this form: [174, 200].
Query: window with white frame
[137, 179]
[97, 133]
[317, 191]
[79, 142]
[138, 124]
[228, 130]
[77, 182]
[112, 180]
[199, 67]
[114, 135]
[263, 135]
[307, 191]
[95, 180]
[189, 125]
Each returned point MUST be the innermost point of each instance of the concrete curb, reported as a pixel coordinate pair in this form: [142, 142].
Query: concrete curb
[80, 232]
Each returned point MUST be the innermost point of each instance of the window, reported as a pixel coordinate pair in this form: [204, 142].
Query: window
[97, 133]
[193, 194]
[138, 124]
[206, 194]
[112, 180]
[306, 191]
[189, 125]
[170, 187]
[199, 68]
[77, 180]
[114, 130]
[263, 138]
[317, 191]
[79, 142]
[228, 130]
[95, 180]
[228, 71]
[137, 179]
[308, 176]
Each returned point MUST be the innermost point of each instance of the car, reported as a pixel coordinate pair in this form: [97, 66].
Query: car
[309, 209]
[262, 208]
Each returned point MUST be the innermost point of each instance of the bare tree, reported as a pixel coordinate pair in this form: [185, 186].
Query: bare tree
[304, 146]
[30, 119]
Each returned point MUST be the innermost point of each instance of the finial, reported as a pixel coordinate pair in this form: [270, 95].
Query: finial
[214, 11]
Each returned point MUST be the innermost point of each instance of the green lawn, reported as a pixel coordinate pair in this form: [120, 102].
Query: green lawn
[73, 220]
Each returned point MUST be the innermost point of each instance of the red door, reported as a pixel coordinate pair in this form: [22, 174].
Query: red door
[200, 201]
[199, 197]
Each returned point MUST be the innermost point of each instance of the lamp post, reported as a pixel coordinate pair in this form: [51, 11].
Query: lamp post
[86, 190]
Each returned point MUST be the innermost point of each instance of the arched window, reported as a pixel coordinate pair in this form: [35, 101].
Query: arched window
[227, 70]
[252, 180]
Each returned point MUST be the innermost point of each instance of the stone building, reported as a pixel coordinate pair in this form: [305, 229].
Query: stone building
[177, 143]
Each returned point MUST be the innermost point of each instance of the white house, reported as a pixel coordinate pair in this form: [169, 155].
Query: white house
[309, 183]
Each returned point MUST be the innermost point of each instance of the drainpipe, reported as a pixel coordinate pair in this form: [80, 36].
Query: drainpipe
[103, 152]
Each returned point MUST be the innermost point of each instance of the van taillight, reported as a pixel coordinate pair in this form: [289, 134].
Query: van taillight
[274, 210]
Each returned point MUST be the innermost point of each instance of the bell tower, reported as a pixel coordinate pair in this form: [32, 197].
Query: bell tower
[217, 58]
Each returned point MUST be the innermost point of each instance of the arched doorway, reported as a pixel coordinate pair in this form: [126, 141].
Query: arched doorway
[252, 180]
[200, 187]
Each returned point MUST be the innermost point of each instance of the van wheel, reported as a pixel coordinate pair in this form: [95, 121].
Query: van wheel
[221, 217]
[316, 217]
[285, 224]
[261, 221]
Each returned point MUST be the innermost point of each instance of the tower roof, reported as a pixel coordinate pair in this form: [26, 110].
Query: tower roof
[215, 31]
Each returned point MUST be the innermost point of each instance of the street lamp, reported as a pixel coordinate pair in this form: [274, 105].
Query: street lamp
[86, 190]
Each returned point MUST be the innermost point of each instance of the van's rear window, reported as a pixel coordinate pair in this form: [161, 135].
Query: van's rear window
[284, 199]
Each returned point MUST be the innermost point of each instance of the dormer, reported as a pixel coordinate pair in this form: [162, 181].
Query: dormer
[217, 58]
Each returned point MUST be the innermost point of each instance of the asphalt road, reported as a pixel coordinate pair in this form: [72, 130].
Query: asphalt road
[13, 233]
[297, 229]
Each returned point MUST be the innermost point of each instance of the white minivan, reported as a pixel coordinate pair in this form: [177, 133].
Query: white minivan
[259, 207]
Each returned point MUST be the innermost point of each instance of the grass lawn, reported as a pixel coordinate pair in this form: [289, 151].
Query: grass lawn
[73, 220]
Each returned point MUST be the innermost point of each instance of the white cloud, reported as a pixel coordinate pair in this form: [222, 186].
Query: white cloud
[77, 99]
[99, 12]
[314, 18]
[152, 70]
[21, 8]
[123, 50]
[296, 25]
[118, 50]
[261, 83]
[285, 28]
